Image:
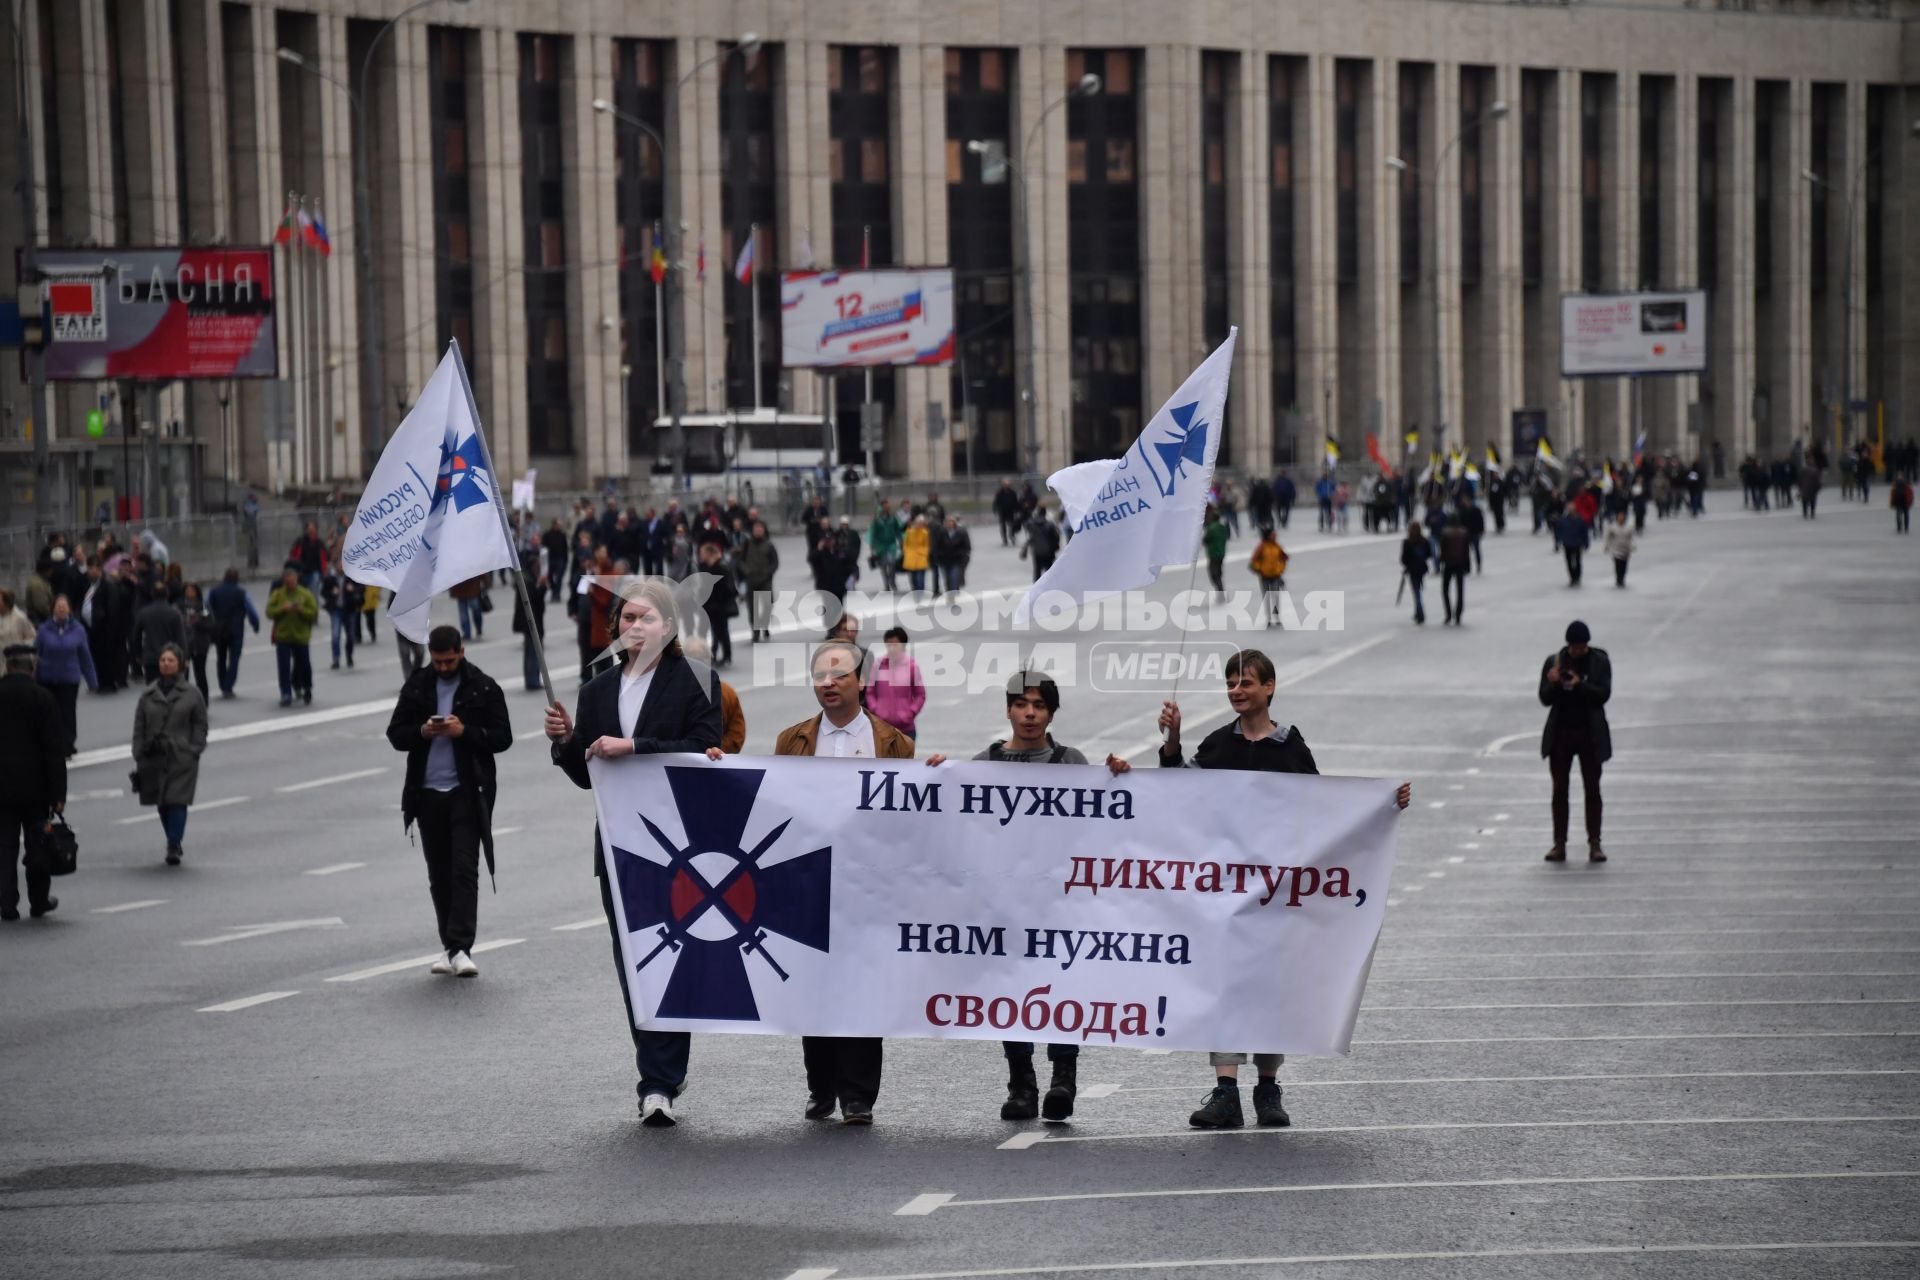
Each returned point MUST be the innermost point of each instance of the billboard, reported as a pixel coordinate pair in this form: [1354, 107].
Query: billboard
[1604, 334]
[831, 319]
[159, 314]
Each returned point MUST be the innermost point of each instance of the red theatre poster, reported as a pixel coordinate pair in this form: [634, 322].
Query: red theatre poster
[160, 314]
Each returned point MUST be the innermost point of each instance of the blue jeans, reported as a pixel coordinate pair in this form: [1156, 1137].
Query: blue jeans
[343, 622]
[173, 821]
[661, 1056]
[918, 577]
[227, 663]
[956, 575]
[470, 618]
[1055, 1052]
[296, 669]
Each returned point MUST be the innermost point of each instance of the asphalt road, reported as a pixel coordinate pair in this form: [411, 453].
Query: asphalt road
[1698, 1060]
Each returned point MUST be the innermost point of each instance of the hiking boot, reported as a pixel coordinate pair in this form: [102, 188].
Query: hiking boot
[1267, 1110]
[1595, 853]
[1221, 1110]
[1058, 1104]
[1023, 1091]
[1557, 854]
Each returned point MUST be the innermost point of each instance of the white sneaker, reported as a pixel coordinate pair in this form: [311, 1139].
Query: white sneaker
[463, 965]
[442, 966]
[656, 1111]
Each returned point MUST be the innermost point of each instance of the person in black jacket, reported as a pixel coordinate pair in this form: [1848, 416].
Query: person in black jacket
[1575, 684]
[1416, 553]
[652, 703]
[451, 720]
[33, 780]
[1253, 740]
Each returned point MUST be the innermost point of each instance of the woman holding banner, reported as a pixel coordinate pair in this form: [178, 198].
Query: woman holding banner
[650, 703]
[1254, 741]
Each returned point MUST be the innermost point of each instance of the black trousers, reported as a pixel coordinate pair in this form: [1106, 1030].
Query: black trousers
[1620, 570]
[450, 837]
[842, 1067]
[1573, 564]
[1566, 749]
[1453, 591]
[16, 828]
[660, 1056]
[65, 700]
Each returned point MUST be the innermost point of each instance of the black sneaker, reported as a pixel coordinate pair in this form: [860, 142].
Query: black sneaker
[1058, 1104]
[860, 1113]
[1267, 1110]
[1023, 1091]
[174, 854]
[44, 909]
[820, 1106]
[1220, 1111]
[306, 697]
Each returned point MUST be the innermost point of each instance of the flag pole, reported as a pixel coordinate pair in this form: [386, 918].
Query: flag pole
[753, 287]
[506, 529]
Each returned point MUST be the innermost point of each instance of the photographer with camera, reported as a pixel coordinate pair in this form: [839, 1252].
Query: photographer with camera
[1575, 684]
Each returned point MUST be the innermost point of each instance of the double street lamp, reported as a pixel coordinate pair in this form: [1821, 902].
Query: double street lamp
[1087, 86]
[1496, 111]
[676, 388]
[1854, 186]
[372, 434]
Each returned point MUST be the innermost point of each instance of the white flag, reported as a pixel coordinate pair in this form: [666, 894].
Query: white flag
[430, 518]
[523, 492]
[1134, 516]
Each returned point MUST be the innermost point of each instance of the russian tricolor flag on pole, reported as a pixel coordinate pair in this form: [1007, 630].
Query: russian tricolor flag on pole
[743, 267]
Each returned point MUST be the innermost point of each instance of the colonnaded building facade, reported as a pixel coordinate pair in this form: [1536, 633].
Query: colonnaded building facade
[1232, 169]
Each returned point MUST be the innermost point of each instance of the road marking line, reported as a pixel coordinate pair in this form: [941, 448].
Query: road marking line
[198, 808]
[1302, 1259]
[242, 932]
[129, 906]
[1036, 1137]
[1436, 875]
[418, 962]
[1501, 817]
[312, 783]
[922, 1205]
[233, 1006]
[1456, 858]
[579, 924]
[1654, 1075]
[335, 869]
[1623, 1004]
[1104, 1090]
[1436, 804]
[505, 831]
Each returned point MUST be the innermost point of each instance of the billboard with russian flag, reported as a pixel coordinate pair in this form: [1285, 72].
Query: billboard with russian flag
[160, 314]
[833, 319]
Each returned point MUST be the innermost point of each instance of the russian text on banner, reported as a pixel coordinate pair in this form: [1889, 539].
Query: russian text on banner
[1175, 909]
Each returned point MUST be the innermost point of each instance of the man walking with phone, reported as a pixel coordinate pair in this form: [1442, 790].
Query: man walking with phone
[1575, 684]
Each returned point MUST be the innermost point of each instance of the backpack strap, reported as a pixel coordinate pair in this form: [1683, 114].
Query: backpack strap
[1058, 754]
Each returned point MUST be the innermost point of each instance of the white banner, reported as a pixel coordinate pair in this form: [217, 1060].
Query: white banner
[834, 318]
[1631, 333]
[1170, 909]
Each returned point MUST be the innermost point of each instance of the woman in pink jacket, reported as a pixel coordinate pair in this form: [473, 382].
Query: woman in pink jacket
[895, 691]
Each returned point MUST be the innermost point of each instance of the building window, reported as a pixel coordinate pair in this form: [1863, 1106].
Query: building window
[1103, 261]
[1476, 98]
[859, 117]
[1593, 97]
[984, 385]
[1652, 89]
[1408, 150]
[1286, 78]
[452, 188]
[638, 209]
[747, 199]
[1346, 133]
[543, 208]
[1763, 108]
[1713, 94]
[1534, 87]
[1219, 81]
[1820, 151]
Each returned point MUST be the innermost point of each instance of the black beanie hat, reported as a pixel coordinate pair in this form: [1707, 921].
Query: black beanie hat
[1577, 633]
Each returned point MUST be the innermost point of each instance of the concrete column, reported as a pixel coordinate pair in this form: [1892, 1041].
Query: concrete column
[1610, 431]
[146, 106]
[1798, 399]
[1736, 273]
[404, 225]
[1560, 189]
[1900, 267]
[1172, 268]
[1250, 262]
[1853, 127]
[805, 199]
[1040, 80]
[917, 148]
[1444, 248]
[1669, 398]
[693, 130]
[1506, 283]
[257, 193]
[593, 299]
[340, 366]
[499, 252]
[1373, 387]
[1319, 350]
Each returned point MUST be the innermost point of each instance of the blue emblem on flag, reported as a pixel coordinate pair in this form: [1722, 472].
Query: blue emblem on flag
[712, 905]
[1167, 451]
[464, 480]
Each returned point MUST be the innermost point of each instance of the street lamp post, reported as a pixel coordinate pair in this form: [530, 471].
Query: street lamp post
[1496, 111]
[372, 436]
[1855, 185]
[1087, 86]
[676, 388]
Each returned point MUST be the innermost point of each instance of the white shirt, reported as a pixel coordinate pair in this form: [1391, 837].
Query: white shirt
[854, 740]
[633, 695]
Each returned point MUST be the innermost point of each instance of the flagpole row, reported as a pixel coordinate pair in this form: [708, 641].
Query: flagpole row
[506, 527]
